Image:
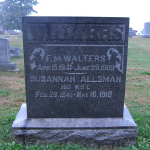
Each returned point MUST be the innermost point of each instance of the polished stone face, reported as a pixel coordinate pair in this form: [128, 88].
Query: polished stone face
[75, 67]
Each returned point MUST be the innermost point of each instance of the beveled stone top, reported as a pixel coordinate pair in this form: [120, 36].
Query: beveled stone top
[22, 122]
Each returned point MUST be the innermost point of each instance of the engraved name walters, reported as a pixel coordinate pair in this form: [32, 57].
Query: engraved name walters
[76, 32]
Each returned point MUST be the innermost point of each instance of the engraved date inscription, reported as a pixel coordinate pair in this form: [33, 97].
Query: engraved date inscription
[74, 94]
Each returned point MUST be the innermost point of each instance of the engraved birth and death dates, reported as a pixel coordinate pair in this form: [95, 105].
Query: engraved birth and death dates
[76, 75]
[74, 94]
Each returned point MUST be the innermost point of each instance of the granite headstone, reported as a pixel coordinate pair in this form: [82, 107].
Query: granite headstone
[1, 30]
[146, 30]
[5, 64]
[7, 36]
[75, 67]
[15, 52]
[75, 71]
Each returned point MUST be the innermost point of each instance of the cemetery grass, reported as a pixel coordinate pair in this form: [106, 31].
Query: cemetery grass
[137, 96]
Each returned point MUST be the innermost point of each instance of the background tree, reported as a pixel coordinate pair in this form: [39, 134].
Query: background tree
[11, 12]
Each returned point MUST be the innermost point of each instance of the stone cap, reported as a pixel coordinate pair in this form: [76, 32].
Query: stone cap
[22, 122]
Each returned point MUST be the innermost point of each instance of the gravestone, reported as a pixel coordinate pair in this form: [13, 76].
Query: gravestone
[146, 30]
[75, 71]
[1, 30]
[5, 64]
[15, 52]
[7, 36]
[19, 36]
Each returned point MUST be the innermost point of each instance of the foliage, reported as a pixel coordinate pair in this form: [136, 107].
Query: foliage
[145, 72]
[6, 118]
[13, 146]
[4, 92]
[11, 12]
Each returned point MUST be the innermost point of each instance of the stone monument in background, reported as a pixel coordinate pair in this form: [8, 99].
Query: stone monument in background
[146, 30]
[1, 29]
[15, 52]
[5, 64]
[75, 72]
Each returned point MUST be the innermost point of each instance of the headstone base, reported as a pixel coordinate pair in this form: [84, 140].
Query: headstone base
[8, 67]
[89, 132]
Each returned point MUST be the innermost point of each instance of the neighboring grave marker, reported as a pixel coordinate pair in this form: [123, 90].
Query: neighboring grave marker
[15, 52]
[5, 64]
[75, 67]
[4, 51]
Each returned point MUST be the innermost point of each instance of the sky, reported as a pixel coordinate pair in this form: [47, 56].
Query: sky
[137, 10]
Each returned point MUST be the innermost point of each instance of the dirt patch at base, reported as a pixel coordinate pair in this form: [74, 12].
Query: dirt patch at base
[146, 78]
[11, 82]
[15, 87]
[136, 97]
[143, 100]
[9, 103]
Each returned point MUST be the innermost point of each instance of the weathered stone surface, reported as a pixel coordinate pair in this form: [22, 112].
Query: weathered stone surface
[146, 30]
[75, 67]
[90, 132]
[5, 64]
[7, 36]
[4, 51]
[75, 71]
[20, 36]
[15, 52]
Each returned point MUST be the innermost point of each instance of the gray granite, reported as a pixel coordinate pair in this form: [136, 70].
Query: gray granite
[146, 30]
[89, 132]
[22, 121]
[75, 67]
[15, 52]
[20, 36]
[7, 36]
[5, 64]
[75, 72]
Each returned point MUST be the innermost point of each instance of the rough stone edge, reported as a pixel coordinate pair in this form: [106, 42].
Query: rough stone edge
[10, 67]
[15, 70]
[88, 137]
